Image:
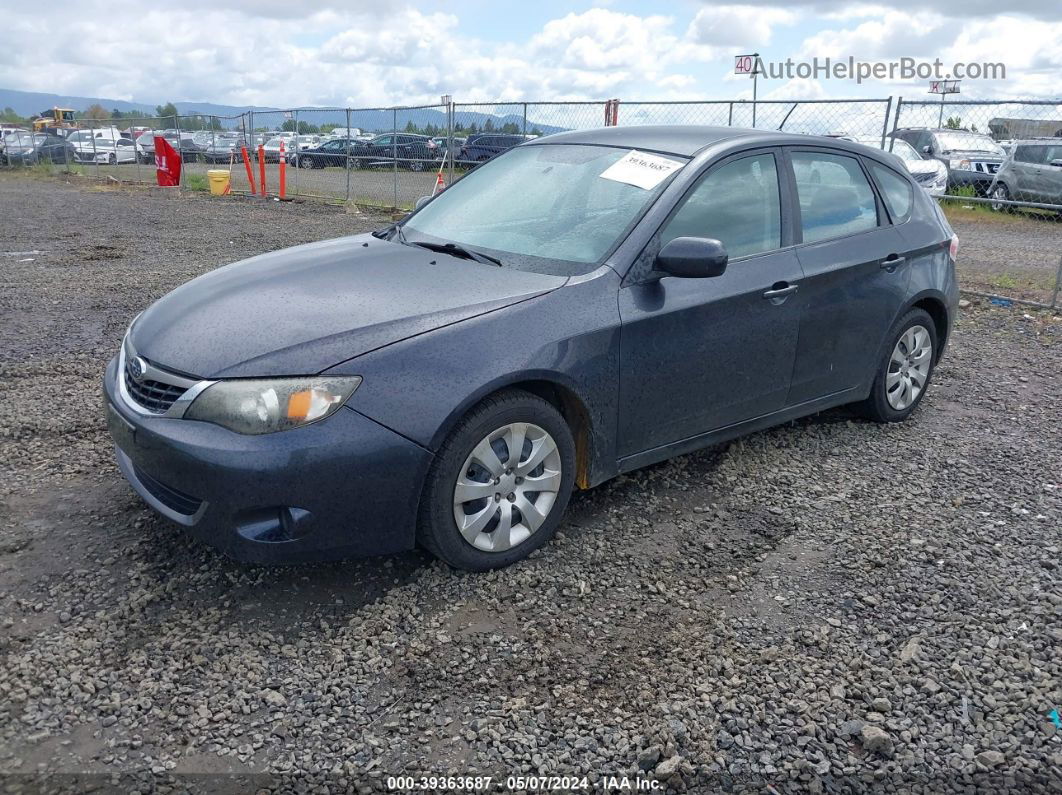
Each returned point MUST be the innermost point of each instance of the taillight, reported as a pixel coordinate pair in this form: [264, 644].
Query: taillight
[953, 247]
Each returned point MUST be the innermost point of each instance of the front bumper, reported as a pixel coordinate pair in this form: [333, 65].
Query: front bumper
[340, 487]
[978, 180]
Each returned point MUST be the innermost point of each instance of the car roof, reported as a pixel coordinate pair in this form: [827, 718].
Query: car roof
[687, 140]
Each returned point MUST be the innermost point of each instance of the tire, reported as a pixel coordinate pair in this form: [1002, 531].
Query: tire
[897, 370]
[112, 159]
[305, 162]
[1000, 192]
[416, 165]
[508, 412]
[354, 163]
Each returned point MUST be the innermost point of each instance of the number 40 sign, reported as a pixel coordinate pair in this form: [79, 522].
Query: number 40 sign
[745, 64]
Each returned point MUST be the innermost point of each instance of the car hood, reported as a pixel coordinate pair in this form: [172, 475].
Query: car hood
[301, 310]
[924, 166]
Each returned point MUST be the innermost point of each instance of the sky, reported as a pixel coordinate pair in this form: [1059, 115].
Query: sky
[288, 53]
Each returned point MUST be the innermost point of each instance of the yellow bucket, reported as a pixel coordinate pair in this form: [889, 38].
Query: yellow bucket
[219, 181]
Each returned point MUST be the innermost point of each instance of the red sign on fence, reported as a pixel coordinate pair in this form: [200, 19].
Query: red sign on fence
[167, 163]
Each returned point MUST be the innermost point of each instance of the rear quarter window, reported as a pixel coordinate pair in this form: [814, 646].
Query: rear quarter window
[895, 190]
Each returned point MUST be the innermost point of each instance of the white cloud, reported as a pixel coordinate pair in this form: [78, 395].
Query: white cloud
[262, 52]
[740, 26]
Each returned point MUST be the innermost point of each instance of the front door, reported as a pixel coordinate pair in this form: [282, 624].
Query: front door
[701, 354]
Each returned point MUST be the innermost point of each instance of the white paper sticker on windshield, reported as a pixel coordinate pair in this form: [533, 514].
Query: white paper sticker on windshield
[641, 169]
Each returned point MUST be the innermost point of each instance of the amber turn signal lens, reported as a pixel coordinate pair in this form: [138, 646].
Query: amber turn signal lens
[299, 405]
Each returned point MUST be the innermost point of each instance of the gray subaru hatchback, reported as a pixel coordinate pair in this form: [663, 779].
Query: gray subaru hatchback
[583, 305]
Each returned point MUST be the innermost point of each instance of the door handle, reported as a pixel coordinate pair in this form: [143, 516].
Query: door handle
[780, 290]
[891, 261]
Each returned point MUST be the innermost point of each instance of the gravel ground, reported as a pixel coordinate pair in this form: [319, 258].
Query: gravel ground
[1012, 255]
[828, 606]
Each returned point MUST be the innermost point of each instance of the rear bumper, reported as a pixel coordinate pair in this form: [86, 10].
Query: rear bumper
[341, 487]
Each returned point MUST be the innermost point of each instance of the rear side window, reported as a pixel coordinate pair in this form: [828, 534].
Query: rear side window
[895, 190]
[835, 198]
[736, 204]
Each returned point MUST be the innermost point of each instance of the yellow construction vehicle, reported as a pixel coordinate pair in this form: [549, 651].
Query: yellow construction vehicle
[54, 120]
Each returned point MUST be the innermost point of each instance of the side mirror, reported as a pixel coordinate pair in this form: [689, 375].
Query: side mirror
[692, 258]
[421, 202]
[1057, 163]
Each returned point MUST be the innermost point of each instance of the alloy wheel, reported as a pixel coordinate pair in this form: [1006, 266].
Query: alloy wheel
[507, 487]
[1000, 192]
[909, 367]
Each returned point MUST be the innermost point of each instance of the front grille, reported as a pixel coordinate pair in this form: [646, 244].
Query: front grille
[155, 396]
[170, 497]
[986, 168]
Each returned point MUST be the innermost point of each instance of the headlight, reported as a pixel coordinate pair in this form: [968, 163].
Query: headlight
[270, 405]
[962, 165]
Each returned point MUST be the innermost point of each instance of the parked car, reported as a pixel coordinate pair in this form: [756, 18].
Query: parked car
[411, 151]
[336, 152]
[928, 172]
[38, 148]
[106, 151]
[222, 148]
[12, 135]
[576, 308]
[439, 146]
[89, 144]
[183, 142]
[1032, 173]
[479, 148]
[971, 159]
[271, 150]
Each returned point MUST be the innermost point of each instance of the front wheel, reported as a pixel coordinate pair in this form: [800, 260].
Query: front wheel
[904, 374]
[1001, 193]
[500, 483]
[305, 162]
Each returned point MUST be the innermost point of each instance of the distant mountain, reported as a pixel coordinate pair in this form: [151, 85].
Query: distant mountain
[30, 103]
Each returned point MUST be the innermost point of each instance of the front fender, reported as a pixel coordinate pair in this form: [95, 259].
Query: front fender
[421, 387]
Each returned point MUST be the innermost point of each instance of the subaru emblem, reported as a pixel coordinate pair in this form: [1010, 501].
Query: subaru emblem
[137, 368]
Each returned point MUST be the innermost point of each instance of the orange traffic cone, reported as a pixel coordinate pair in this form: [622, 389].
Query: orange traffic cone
[439, 184]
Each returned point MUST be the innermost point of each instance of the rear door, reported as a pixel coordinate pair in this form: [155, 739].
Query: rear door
[701, 354]
[855, 271]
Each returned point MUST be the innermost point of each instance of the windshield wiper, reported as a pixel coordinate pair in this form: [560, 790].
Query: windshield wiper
[392, 232]
[458, 251]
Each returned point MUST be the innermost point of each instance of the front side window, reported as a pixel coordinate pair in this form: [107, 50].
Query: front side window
[835, 197]
[737, 204]
[895, 190]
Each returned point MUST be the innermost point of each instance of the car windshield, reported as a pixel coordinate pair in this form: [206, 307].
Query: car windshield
[274, 143]
[555, 208]
[968, 142]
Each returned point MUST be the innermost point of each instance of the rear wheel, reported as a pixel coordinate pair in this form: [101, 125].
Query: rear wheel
[306, 161]
[500, 483]
[904, 374]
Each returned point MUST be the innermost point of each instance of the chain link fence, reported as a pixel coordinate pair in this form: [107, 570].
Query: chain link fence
[999, 163]
[1003, 161]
